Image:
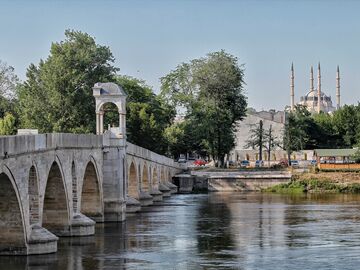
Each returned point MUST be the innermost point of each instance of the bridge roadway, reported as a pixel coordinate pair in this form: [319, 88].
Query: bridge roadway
[55, 185]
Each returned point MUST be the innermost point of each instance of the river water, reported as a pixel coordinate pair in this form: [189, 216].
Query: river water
[219, 231]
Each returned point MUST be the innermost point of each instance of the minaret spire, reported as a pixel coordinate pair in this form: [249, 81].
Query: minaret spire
[311, 79]
[338, 88]
[319, 90]
[312, 85]
[292, 93]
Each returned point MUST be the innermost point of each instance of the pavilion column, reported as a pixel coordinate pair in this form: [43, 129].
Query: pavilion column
[101, 122]
[122, 123]
[97, 123]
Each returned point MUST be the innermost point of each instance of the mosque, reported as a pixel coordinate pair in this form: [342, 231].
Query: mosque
[315, 100]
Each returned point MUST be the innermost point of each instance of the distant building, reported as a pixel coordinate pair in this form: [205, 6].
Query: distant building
[274, 118]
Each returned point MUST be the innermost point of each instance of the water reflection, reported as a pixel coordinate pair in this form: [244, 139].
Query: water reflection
[218, 231]
[215, 240]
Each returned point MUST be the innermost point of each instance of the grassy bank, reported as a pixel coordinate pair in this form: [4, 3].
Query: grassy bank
[319, 183]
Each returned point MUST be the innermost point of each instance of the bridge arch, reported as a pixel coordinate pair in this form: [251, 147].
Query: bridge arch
[133, 189]
[145, 183]
[55, 207]
[33, 192]
[162, 177]
[91, 193]
[12, 227]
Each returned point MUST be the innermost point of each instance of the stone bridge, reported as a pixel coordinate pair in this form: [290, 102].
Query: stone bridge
[61, 184]
[55, 185]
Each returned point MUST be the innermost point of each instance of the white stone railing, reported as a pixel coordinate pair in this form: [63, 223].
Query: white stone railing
[21, 144]
[137, 151]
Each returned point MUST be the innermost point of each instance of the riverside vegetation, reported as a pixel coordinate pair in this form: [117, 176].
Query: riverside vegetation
[320, 183]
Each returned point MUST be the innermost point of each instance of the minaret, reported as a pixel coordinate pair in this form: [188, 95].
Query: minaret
[292, 88]
[319, 90]
[337, 88]
[312, 85]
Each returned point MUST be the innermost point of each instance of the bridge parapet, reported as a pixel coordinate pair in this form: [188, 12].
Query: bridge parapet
[137, 151]
[17, 145]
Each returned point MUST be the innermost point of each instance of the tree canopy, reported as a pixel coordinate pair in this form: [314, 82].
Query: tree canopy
[147, 115]
[57, 95]
[210, 91]
[341, 129]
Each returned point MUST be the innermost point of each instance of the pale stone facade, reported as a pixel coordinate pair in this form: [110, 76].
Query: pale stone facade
[274, 118]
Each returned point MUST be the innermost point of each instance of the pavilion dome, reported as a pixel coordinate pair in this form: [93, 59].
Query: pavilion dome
[110, 88]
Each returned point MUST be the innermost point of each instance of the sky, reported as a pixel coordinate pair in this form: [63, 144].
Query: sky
[150, 38]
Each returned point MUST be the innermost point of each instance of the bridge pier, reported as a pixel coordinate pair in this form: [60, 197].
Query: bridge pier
[157, 195]
[145, 198]
[114, 210]
[114, 176]
[132, 205]
[41, 241]
[82, 225]
[173, 188]
[165, 190]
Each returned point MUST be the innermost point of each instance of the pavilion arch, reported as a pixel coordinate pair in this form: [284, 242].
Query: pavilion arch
[145, 182]
[155, 178]
[12, 227]
[55, 207]
[110, 109]
[109, 93]
[91, 199]
[33, 192]
[133, 189]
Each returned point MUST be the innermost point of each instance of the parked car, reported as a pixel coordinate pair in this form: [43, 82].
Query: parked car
[181, 160]
[199, 162]
[283, 163]
[313, 162]
[294, 163]
[245, 163]
[259, 163]
[231, 163]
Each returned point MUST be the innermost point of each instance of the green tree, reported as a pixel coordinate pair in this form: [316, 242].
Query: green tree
[346, 123]
[148, 115]
[271, 142]
[8, 84]
[257, 139]
[7, 125]
[210, 91]
[295, 136]
[57, 94]
[324, 132]
[8, 81]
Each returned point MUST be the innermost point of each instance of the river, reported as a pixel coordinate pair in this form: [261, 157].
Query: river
[218, 231]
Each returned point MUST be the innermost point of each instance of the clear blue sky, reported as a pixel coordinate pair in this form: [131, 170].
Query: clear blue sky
[149, 38]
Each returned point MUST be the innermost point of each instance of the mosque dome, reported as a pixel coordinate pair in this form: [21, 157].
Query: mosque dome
[310, 101]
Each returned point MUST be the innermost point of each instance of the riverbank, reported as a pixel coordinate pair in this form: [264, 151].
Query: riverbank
[323, 182]
[230, 180]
